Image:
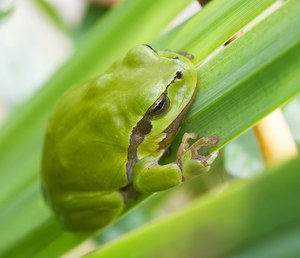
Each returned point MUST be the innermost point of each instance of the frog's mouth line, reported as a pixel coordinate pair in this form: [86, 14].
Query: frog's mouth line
[172, 130]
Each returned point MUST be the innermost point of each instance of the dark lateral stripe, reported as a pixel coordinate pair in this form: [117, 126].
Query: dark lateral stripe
[137, 136]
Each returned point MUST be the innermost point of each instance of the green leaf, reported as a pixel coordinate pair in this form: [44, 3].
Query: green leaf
[51, 12]
[5, 12]
[259, 218]
[212, 27]
[93, 12]
[249, 78]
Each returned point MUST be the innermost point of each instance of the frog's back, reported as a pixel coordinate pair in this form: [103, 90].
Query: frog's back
[86, 144]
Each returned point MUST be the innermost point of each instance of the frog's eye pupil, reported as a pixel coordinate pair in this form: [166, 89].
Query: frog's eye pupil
[160, 106]
[179, 75]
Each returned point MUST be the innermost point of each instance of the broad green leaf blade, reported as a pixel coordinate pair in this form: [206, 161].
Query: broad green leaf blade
[212, 27]
[6, 9]
[248, 220]
[248, 79]
[5, 14]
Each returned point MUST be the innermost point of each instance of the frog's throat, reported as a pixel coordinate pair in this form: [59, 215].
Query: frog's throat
[143, 128]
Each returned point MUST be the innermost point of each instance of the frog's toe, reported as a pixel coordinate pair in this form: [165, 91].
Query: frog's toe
[208, 159]
[209, 141]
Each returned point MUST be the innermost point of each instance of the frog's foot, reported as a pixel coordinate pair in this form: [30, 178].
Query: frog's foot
[188, 158]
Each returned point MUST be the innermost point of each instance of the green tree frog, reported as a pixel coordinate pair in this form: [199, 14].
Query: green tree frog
[105, 138]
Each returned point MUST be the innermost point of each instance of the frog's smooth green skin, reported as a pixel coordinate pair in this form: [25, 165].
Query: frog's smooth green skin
[105, 138]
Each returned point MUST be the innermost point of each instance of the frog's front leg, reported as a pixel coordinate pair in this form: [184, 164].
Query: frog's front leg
[84, 211]
[149, 176]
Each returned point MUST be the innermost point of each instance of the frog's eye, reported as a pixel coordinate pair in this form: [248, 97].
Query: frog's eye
[178, 75]
[160, 106]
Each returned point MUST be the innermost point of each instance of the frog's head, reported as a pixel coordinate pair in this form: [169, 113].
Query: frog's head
[164, 84]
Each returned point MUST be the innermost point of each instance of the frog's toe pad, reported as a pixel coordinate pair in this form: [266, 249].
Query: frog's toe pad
[207, 160]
